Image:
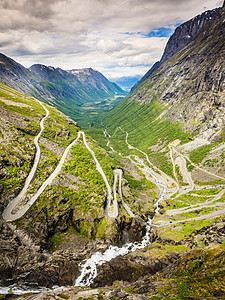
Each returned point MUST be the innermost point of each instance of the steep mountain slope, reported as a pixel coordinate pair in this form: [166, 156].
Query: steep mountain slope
[192, 84]
[95, 82]
[175, 120]
[87, 85]
[68, 221]
[188, 89]
[183, 35]
[79, 93]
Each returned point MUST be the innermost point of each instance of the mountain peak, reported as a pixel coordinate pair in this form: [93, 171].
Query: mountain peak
[71, 91]
[182, 36]
[192, 83]
[82, 70]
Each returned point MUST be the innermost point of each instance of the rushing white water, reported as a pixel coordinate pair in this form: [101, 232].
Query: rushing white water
[20, 290]
[89, 269]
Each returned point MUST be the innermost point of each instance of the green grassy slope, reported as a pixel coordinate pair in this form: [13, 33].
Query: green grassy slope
[76, 197]
[77, 192]
[139, 120]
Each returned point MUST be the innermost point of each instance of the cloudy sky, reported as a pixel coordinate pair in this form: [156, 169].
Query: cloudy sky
[116, 37]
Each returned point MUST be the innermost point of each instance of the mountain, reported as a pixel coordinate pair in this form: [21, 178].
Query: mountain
[78, 93]
[183, 35]
[183, 99]
[172, 128]
[191, 83]
[126, 82]
[65, 223]
[87, 85]
[162, 153]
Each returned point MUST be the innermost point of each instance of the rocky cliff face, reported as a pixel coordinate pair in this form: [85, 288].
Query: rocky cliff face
[192, 83]
[183, 35]
[197, 273]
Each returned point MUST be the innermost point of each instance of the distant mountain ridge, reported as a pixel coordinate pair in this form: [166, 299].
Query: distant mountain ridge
[126, 82]
[70, 91]
[183, 35]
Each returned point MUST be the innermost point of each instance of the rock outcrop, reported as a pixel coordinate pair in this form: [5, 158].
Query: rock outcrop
[183, 35]
[192, 83]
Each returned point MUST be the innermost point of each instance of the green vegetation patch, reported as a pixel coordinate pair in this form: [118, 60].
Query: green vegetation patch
[141, 185]
[139, 120]
[197, 155]
[186, 200]
[181, 230]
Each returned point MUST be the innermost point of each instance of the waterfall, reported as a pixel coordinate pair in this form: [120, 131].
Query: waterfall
[89, 269]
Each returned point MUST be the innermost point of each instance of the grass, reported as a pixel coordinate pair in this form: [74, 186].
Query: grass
[186, 200]
[205, 192]
[197, 155]
[180, 231]
[189, 166]
[159, 250]
[77, 195]
[141, 185]
[139, 121]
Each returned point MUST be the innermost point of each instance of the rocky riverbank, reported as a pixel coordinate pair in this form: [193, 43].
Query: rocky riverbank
[23, 260]
[138, 275]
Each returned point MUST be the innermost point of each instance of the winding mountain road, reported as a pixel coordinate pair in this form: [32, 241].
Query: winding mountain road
[197, 167]
[112, 213]
[173, 163]
[181, 161]
[16, 209]
[165, 176]
[119, 172]
[7, 215]
[203, 217]
[193, 207]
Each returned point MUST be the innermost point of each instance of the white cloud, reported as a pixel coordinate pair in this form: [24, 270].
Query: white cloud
[102, 34]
